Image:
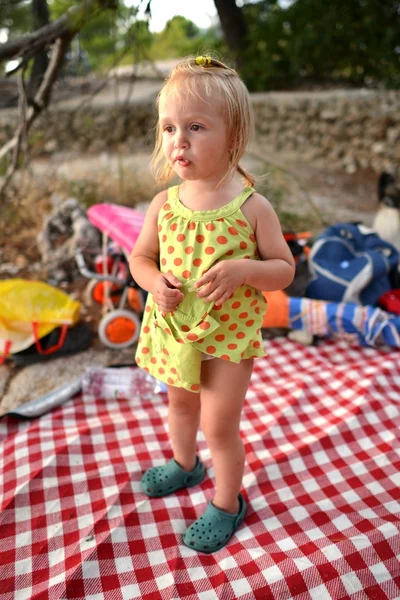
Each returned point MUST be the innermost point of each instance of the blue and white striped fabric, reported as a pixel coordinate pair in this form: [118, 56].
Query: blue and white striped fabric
[368, 325]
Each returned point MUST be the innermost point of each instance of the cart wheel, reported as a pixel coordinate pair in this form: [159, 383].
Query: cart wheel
[96, 291]
[119, 329]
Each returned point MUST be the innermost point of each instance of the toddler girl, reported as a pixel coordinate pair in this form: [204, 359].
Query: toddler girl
[207, 248]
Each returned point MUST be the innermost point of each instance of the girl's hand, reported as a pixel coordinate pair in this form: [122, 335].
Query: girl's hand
[166, 293]
[221, 281]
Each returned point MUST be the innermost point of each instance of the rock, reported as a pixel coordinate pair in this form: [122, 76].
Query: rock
[9, 269]
[393, 134]
[50, 146]
[68, 220]
[350, 166]
[21, 261]
[378, 148]
[329, 115]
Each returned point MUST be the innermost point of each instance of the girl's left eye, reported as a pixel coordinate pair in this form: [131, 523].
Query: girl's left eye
[195, 127]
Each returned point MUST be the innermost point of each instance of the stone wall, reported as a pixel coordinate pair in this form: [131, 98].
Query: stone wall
[345, 128]
[91, 129]
[350, 129]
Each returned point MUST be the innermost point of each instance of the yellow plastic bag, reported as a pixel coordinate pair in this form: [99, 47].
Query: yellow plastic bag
[30, 310]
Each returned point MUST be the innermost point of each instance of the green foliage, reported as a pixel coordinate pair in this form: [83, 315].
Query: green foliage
[354, 42]
[182, 37]
[3, 166]
[97, 41]
[267, 61]
[302, 42]
[16, 17]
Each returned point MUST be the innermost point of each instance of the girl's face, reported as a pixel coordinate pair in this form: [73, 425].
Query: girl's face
[194, 139]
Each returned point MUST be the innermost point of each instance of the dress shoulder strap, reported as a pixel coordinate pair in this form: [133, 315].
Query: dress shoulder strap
[173, 194]
[241, 198]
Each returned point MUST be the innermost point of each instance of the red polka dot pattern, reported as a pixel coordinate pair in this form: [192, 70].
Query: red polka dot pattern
[241, 223]
[191, 243]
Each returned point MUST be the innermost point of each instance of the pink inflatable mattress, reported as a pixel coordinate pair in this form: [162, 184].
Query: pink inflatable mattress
[121, 223]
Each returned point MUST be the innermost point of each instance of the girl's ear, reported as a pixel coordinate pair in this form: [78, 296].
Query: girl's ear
[231, 143]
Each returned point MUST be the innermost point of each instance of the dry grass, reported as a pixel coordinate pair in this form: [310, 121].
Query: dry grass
[292, 203]
[128, 190]
[21, 220]
[30, 202]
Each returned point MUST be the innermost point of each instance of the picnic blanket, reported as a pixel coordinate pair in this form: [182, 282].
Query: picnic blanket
[322, 482]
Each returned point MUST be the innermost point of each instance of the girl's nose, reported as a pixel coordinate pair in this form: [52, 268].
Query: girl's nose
[180, 141]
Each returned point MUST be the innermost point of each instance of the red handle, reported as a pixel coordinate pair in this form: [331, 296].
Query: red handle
[6, 350]
[52, 348]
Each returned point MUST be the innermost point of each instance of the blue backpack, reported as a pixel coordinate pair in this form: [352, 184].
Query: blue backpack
[350, 263]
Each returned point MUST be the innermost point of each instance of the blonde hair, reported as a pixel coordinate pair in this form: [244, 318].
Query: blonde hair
[189, 78]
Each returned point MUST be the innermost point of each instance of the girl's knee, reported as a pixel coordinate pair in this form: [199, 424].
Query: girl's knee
[183, 402]
[219, 435]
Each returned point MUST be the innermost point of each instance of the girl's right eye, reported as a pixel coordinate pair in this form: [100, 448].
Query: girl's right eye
[168, 128]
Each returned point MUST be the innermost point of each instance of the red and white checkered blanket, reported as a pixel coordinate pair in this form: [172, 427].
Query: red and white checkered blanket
[322, 482]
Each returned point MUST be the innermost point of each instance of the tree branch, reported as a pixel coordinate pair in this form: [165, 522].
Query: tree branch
[59, 34]
[40, 102]
[68, 24]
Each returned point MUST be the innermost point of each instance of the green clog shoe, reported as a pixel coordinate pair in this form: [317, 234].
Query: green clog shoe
[164, 480]
[212, 531]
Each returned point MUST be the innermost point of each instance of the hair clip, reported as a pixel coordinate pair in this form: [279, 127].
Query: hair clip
[203, 61]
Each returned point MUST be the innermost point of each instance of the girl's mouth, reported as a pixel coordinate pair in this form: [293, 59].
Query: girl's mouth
[182, 162]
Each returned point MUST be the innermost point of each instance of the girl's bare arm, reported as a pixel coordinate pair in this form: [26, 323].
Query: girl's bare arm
[144, 261]
[276, 268]
[144, 258]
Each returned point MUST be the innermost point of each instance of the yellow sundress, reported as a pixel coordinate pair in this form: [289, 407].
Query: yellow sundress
[171, 345]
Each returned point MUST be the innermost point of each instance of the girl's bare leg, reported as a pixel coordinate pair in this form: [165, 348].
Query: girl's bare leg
[223, 389]
[183, 421]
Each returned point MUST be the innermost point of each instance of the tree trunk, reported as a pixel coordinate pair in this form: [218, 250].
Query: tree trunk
[41, 17]
[233, 25]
